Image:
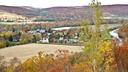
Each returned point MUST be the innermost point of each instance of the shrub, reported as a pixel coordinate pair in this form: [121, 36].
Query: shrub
[14, 43]
[121, 56]
[2, 44]
[2, 64]
[62, 62]
[121, 49]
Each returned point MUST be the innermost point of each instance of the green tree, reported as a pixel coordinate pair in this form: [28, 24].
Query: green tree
[26, 38]
[8, 34]
[96, 41]
[2, 44]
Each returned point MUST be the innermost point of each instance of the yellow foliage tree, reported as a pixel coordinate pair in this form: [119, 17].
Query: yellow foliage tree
[98, 48]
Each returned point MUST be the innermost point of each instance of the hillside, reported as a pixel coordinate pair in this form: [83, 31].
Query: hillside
[68, 15]
[19, 10]
[24, 52]
[118, 9]
[4, 16]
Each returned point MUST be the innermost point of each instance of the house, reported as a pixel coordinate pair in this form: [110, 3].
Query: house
[44, 40]
[37, 31]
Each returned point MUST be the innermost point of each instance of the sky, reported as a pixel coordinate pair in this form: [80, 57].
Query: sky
[54, 3]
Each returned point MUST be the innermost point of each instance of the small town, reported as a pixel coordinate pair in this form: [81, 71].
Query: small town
[63, 35]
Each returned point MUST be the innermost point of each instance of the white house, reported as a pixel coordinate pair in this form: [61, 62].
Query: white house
[45, 40]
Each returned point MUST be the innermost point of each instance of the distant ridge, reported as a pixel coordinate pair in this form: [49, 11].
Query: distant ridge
[65, 12]
[18, 10]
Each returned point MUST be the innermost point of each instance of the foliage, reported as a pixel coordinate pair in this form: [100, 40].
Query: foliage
[2, 63]
[38, 37]
[26, 38]
[121, 56]
[14, 43]
[121, 50]
[8, 34]
[62, 62]
[97, 56]
[2, 44]
[98, 47]
[44, 20]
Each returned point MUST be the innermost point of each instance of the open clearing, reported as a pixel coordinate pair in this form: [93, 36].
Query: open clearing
[26, 51]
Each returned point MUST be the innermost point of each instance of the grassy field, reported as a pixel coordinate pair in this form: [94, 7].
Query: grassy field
[24, 52]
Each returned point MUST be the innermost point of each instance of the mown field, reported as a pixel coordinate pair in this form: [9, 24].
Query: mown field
[26, 51]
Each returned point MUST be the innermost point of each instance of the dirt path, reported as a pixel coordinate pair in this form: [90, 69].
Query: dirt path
[24, 52]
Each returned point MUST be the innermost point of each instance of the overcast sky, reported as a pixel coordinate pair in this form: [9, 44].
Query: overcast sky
[53, 3]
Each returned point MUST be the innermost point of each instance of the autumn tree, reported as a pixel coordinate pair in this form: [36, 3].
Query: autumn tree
[97, 44]
[26, 38]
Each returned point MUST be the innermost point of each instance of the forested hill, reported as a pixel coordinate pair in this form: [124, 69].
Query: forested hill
[76, 12]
